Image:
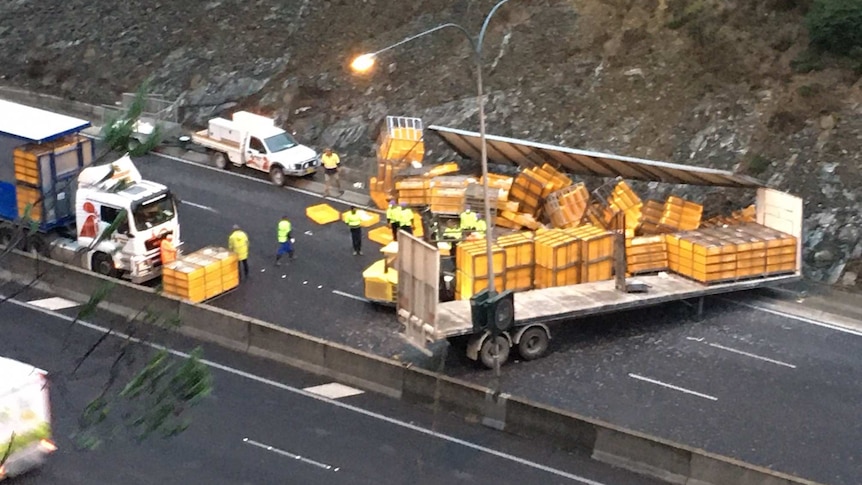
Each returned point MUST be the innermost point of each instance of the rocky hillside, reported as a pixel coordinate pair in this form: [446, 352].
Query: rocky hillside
[718, 83]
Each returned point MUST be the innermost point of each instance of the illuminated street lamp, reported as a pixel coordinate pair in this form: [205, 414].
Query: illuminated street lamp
[365, 62]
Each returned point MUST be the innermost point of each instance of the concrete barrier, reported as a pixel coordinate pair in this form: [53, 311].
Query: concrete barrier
[635, 451]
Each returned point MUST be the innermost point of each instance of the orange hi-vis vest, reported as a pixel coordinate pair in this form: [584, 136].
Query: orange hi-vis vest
[168, 251]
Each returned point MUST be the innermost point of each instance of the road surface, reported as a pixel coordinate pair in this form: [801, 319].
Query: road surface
[266, 423]
[742, 382]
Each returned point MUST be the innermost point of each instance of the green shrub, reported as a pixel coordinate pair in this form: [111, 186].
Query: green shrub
[835, 25]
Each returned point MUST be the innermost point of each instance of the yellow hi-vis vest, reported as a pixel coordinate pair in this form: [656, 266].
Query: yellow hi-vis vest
[284, 228]
[452, 233]
[481, 227]
[393, 213]
[406, 217]
[238, 243]
[352, 219]
[468, 220]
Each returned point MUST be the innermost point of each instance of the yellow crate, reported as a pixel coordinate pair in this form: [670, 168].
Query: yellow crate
[549, 277]
[378, 196]
[519, 249]
[322, 214]
[681, 214]
[623, 198]
[472, 259]
[212, 272]
[381, 235]
[367, 219]
[442, 169]
[519, 279]
[467, 286]
[29, 199]
[185, 280]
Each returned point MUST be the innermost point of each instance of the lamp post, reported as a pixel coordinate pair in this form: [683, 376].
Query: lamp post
[365, 62]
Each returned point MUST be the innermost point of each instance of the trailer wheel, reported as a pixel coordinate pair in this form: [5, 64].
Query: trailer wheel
[494, 347]
[37, 244]
[219, 159]
[533, 343]
[276, 175]
[103, 264]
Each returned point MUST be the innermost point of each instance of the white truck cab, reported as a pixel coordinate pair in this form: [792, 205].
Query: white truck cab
[255, 141]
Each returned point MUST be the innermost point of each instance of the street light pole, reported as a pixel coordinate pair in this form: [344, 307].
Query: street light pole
[366, 61]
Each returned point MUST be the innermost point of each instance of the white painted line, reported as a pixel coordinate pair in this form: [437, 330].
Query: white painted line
[333, 390]
[54, 303]
[832, 326]
[753, 356]
[338, 404]
[348, 295]
[261, 181]
[290, 455]
[675, 388]
[199, 206]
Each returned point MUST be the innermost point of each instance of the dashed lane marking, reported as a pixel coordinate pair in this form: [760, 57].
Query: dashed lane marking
[671, 386]
[290, 455]
[333, 390]
[753, 356]
[54, 303]
[200, 206]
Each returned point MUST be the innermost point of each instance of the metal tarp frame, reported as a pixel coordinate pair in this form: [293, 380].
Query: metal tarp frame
[587, 163]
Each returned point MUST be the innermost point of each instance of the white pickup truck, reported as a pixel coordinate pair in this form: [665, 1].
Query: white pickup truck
[254, 140]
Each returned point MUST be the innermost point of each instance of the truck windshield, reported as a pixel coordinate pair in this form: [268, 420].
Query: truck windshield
[280, 142]
[155, 211]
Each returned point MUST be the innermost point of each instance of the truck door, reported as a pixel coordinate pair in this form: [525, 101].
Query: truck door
[256, 155]
[108, 215]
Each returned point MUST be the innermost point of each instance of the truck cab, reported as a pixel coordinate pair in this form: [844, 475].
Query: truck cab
[255, 141]
[143, 213]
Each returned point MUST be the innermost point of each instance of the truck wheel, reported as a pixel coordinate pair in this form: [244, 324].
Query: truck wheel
[276, 175]
[37, 244]
[494, 347]
[103, 264]
[219, 159]
[533, 343]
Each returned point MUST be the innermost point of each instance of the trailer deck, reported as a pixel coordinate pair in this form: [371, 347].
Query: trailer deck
[562, 303]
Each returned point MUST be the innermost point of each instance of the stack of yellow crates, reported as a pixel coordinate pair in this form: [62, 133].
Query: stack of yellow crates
[601, 215]
[442, 169]
[623, 198]
[650, 221]
[558, 259]
[597, 252]
[519, 250]
[646, 254]
[748, 214]
[517, 220]
[377, 192]
[447, 194]
[781, 250]
[471, 272]
[681, 214]
[381, 282]
[704, 257]
[566, 207]
[201, 275]
[413, 191]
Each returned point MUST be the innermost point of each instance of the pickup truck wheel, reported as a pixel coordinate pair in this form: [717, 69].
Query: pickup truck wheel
[103, 264]
[533, 343]
[276, 175]
[494, 347]
[219, 159]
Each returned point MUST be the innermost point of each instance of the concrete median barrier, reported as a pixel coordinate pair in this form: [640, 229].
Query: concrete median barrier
[366, 370]
[215, 325]
[635, 451]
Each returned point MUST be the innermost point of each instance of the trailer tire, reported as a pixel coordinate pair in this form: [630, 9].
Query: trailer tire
[37, 244]
[533, 343]
[219, 159]
[494, 346]
[276, 175]
[103, 264]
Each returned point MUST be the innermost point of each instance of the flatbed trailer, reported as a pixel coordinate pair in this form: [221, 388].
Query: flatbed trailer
[521, 320]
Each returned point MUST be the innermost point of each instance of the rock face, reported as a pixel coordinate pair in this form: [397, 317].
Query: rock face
[658, 79]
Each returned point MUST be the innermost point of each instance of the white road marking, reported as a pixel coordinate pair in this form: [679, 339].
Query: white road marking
[753, 356]
[348, 295]
[54, 303]
[819, 323]
[260, 181]
[338, 404]
[290, 455]
[334, 390]
[675, 388]
[199, 206]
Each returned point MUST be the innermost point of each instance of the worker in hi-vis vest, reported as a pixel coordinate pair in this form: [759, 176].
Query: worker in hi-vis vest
[167, 249]
[393, 215]
[331, 163]
[285, 240]
[354, 222]
[238, 243]
[467, 219]
[406, 219]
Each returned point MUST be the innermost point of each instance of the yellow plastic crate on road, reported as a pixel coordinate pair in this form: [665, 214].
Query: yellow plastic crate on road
[322, 213]
[201, 275]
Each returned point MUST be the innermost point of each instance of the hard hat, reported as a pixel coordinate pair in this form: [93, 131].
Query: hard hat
[404, 204]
